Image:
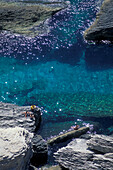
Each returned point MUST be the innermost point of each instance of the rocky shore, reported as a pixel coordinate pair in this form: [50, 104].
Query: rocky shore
[18, 140]
[102, 28]
[22, 149]
[20, 144]
[29, 17]
[95, 153]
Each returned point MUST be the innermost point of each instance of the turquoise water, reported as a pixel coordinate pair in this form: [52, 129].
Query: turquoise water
[60, 72]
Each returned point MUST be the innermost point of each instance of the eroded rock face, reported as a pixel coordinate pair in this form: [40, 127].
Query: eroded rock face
[15, 148]
[12, 115]
[102, 28]
[77, 154]
[27, 18]
[101, 143]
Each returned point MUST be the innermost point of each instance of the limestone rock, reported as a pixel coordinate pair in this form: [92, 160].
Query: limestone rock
[40, 150]
[101, 162]
[77, 154]
[15, 148]
[27, 17]
[102, 28]
[101, 143]
[12, 115]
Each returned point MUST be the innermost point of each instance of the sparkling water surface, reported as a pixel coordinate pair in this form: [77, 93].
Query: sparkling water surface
[60, 72]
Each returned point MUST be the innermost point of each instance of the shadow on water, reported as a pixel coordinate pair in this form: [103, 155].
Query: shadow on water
[99, 57]
[69, 55]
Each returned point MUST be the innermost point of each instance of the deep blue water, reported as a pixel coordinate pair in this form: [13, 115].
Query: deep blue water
[47, 69]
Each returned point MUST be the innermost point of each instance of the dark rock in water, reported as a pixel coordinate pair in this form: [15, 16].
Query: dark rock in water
[27, 18]
[77, 154]
[40, 151]
[12, 115]
[102, 28]
[15, 148]
[69, 135]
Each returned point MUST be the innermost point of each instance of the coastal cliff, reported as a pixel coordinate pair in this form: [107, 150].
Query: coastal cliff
[102, 28]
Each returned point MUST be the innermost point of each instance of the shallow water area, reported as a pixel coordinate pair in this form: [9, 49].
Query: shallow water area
[61, 73]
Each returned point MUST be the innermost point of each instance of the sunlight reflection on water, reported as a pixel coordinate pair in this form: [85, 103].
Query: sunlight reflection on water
[34, 70]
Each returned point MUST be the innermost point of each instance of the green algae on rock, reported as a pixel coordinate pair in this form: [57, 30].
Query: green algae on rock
[27, 18]
[102, 28]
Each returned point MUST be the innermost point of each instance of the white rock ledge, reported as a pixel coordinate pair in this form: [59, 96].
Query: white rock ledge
[15, 148]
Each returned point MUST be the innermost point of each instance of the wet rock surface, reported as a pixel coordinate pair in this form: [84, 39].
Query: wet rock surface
[15, 148]
[27, 18]
[102, 28]
[78, 154]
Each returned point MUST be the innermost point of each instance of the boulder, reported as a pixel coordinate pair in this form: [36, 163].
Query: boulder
[102, 28]
[15, 148]
[77, 154]
[101, 143]
[40, 151]
[12, 115]
[28, 17]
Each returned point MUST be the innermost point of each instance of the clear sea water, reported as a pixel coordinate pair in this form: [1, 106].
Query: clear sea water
[69, 79]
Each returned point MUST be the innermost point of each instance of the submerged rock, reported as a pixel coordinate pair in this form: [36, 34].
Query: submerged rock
[77, 154]
[15, 148]
[27, 18]
[102, 28]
